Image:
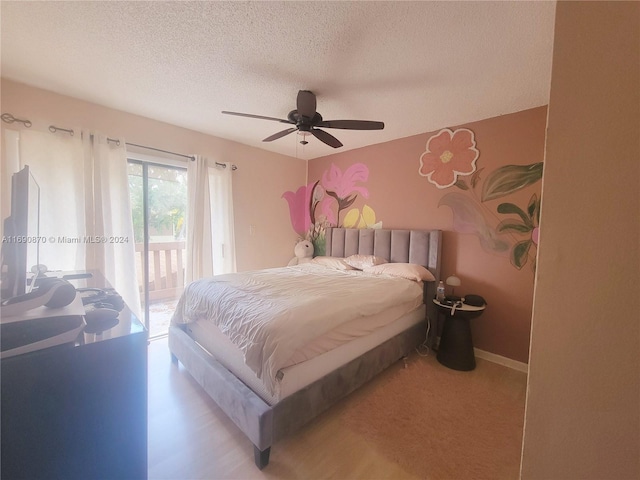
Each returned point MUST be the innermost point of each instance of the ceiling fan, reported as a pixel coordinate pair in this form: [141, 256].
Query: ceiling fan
[307, 120]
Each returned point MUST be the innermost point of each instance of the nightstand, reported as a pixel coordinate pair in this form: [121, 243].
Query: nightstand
[456, 345]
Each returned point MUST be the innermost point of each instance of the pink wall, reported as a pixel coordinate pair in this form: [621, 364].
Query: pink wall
[402, 198]
[257, 184]
[399, 196]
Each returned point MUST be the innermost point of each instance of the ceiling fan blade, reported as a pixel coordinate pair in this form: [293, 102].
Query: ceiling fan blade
[275, 136]
[326, 138]
[352, 124]
[256, 116]
[306, 103]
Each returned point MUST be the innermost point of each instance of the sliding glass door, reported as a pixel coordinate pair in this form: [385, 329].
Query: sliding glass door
[159, 205]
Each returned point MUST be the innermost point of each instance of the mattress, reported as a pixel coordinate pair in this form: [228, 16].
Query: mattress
[271, 315]
[309, 367]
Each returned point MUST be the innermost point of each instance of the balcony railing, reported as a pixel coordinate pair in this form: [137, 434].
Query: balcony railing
[166, 269]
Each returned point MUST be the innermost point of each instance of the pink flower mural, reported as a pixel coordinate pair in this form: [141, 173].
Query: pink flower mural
[535, 234]
[299, 211]
[344, 184]
[316, 206]
[448, 155]
[326, 210]
[343, 188]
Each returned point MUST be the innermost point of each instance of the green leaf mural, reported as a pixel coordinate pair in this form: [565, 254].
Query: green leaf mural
[534, 209]
[319, 246]
[512, 208]
[475, 178]
[528, 225]
[461, 184]
[533, 206]
[511, 226]
[510, 178]
[520, 253]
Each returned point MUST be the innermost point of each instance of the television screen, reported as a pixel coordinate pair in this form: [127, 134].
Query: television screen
[20, 243]
[33, 223]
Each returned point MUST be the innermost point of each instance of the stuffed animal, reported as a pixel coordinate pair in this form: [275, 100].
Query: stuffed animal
[303, 251]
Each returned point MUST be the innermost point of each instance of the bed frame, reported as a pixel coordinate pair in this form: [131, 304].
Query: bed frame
[264, 424]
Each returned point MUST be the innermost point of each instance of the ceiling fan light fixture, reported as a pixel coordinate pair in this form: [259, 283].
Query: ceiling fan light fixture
[303, 136]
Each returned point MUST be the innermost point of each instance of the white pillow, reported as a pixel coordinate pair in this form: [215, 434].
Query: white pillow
[363, 261]
[332, 262]
[410, 271]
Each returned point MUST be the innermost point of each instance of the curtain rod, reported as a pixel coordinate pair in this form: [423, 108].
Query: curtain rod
[8, 118]
[190, 157]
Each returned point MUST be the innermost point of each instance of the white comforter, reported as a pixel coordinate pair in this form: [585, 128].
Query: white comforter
[269, 314]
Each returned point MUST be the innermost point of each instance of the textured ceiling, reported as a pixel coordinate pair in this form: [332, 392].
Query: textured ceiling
[417, 66]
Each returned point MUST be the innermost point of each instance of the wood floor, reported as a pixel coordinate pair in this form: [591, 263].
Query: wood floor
[191, 438]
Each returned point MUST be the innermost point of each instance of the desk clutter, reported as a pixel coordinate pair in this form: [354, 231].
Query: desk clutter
[102, 307]
[452, 300]
[474, 300]
[468, 303]
[54, 313]
[50, 292]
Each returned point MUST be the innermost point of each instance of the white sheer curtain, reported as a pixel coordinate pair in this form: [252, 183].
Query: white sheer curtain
[210, 235]
[111, 219]
[224, 249]
[85, 211]
[199, 250]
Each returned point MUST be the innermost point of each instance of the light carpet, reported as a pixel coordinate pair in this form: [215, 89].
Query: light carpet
[439, 423]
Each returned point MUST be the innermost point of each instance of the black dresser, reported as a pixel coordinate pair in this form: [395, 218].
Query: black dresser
[78, 411]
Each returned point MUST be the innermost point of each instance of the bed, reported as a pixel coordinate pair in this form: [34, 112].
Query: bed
[270, 385]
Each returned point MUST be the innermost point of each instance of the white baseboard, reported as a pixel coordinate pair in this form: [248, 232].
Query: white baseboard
[499, 359]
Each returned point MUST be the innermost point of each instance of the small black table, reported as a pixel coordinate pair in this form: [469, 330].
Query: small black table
[456, 345]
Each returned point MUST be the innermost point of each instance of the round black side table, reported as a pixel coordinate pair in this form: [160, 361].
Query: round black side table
[456, 345]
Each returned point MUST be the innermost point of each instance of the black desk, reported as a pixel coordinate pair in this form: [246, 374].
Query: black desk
[78, 411]
[456, 345]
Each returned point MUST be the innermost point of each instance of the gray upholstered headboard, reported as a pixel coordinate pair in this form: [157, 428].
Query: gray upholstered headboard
[401, 246]
[423, 247]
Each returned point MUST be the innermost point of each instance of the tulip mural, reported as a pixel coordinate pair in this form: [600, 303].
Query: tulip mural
[299, 208]
[319, 205]
[450, 156]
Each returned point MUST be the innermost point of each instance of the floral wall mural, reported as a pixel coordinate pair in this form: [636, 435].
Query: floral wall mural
[318, 205]
[448, 155]
[479, 183]
[449, 158]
